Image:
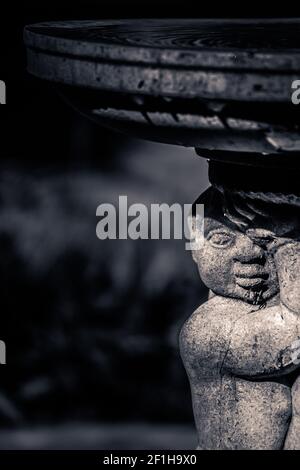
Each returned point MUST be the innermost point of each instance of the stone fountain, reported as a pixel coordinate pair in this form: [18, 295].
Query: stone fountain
[223, 87]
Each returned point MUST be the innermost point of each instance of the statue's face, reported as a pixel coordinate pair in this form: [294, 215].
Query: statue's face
[232, 265]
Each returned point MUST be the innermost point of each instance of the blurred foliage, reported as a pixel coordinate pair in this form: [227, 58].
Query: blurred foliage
[91, 326]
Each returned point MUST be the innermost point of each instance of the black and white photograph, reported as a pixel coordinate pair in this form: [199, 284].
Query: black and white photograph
[149, 231]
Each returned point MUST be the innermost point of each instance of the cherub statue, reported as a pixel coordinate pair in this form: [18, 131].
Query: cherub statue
[240, 347]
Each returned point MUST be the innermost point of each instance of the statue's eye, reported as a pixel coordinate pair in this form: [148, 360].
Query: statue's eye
[221, 239]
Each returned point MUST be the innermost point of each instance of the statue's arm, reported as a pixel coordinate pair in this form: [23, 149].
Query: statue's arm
[228, 336]
[263, 342]
[287, 258]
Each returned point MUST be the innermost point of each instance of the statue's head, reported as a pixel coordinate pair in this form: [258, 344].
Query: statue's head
[230, 260]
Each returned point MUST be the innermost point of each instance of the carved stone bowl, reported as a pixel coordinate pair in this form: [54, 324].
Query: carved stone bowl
[222, 86]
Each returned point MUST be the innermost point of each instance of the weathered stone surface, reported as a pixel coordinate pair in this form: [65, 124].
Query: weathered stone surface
[213, 43]
[292, 441]
[239, 346]
[210, 84]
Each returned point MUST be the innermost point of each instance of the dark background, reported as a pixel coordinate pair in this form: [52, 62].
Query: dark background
[91, 327]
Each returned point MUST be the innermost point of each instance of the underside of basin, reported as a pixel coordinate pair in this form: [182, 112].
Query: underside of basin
[217, 85]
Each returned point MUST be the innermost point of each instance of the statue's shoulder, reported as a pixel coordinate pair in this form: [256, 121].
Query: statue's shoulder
[206, 334]
[217, 310]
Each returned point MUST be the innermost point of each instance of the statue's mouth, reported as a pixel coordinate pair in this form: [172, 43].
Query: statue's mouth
[250, 276]
[250, 282]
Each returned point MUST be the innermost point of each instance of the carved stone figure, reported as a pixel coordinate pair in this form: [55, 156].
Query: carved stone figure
[240, 347]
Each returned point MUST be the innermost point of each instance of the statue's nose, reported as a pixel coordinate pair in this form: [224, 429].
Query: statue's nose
[248, 251]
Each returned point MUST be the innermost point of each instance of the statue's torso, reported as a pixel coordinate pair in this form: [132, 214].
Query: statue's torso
[239, 364]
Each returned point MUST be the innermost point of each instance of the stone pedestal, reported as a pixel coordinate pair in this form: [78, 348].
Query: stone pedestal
[225, 88]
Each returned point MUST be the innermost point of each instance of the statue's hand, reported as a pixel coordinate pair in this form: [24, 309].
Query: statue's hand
[283, 220]
[271, 240]
[285, 250]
